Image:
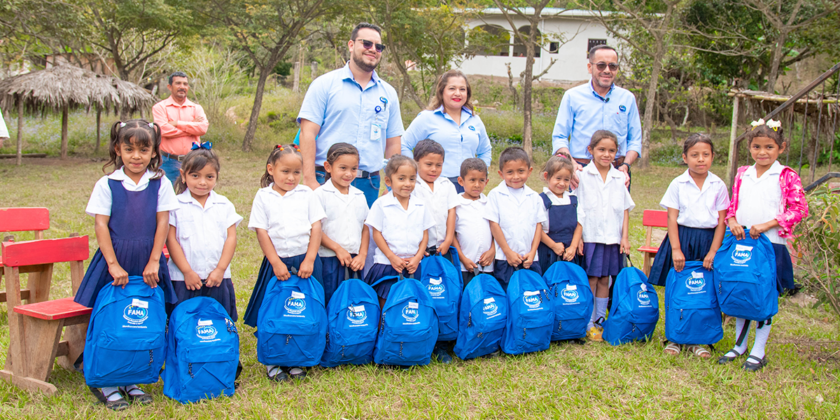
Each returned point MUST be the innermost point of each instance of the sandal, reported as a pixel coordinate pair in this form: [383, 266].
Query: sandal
[699, 351]
[276, 374]
[116, 405]
[672, 349]
[138, 397]
[754, 364]
[726, 359]
[297, 373]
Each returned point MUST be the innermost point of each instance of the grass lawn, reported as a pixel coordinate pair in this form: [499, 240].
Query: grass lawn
[590, 381]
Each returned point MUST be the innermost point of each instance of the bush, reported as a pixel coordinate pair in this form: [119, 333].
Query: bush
[817, 243]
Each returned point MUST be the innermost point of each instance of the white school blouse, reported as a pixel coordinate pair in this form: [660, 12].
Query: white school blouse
[698, 208]
[100, 199]
[439, 202]
[473, 230]
[287, 218]
[759, 199]
[601, 204]
[346, 214]
[517, 211]
[202, 232]
[401, 228]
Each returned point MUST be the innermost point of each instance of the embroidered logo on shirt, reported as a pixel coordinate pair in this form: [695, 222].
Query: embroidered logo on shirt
[472, 128]
[622, 108]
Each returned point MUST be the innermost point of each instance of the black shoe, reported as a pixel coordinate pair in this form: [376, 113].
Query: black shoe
[116, 405]
[278, 376]
[297, 373]
[754, 364]
[442, 355]
[141, 398]
[726, 359]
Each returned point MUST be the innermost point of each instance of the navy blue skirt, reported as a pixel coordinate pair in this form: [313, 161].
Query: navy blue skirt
[133, 258]
[252, 312]
[222, 293]
[601, 260]
[502, 271]
[784, 269]
[377, 271]
[333, 273]
[547, 257]
[695, 244]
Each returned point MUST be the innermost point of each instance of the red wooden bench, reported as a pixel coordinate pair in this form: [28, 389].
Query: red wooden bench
[24, 219]
[35, 329]
[652, 219]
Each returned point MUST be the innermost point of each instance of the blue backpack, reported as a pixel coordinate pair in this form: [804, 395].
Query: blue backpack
[572, 300]
[745, 272]
[126, 337]
[484, 314]
[692, 314]
[635, 308]
[353, 315]
[292, 323]
[203, 352]
[531, 316]
[408, 326]
[444, 284]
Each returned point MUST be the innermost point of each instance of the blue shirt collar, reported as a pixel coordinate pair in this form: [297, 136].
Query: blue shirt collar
[440, 110]
[592, 89]
[346, 74]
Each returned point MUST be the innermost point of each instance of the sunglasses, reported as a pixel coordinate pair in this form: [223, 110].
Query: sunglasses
[369, 44]
[601, 66]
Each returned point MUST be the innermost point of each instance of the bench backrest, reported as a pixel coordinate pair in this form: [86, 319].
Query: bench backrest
[45, 251]
[22, 219]
[655, 218]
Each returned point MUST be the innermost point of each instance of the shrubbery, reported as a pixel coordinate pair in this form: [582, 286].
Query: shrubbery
[818, 247]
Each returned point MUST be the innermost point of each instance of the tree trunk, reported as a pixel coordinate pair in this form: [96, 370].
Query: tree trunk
[313, 69]
[296, 83]
[526, 93]
[650, 97]
[776, 62]
[64, 117]
[98, 129]
[255, 111]
[19, 158]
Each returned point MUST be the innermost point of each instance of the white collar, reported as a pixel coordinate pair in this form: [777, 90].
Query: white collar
[613, 173]
[299, 188]
[710, 179]
[120, 175]
[186, 198]
[504, 189]
[774, 169]
[481, 199]
[554, 198]
[330, 187]
[391, 200]
[439, 181]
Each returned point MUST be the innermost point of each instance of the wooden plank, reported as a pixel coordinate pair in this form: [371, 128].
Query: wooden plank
[39, 284]
[17, 356]
[53, 309]
[24, 295]
[46, 251]
[20, 219]
[41, 346]
[63, 349]
[28, 384]
[74, 336]
[655, 218]
[77, 274]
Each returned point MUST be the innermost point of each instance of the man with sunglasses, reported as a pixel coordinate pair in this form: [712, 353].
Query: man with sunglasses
[599, 105]
[352, 105]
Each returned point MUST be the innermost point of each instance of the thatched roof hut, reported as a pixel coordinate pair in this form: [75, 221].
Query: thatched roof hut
[62, 87]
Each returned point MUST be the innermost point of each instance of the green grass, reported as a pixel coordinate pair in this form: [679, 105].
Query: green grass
[590, 381]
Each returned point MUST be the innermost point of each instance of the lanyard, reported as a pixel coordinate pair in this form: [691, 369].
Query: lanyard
[380, 110]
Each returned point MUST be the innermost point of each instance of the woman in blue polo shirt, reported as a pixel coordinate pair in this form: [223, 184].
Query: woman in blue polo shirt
[451, 121]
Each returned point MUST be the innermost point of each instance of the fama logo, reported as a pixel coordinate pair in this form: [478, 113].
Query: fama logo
[696, 282]
[490, 308]
[436, 287]
[741, 254]
[411, 312]
[137, 312]
[532, 299]
[206, 332]
[569, 295]
[643, 297]
[294, 305]
[356, 315]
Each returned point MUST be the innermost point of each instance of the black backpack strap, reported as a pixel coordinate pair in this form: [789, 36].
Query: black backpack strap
[77, 365]
[546, 200]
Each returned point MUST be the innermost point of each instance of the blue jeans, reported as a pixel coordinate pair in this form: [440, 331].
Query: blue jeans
[369, 186]
[172, 167]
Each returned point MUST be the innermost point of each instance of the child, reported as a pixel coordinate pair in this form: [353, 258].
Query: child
[287, 218]
[400, 223]
[768, 198]
[202, 233]
[515, 213]
[561, 232]
[344, 240]
[696, 202]
[603, 211]
[473, 240]
[131, 206]
[438, 192]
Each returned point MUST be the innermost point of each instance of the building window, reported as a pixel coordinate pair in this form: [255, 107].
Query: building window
[594, 43]
[490, 40]
[553, 47]
[519, 49]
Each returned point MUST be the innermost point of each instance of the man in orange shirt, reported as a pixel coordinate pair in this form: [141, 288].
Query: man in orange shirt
[182, 122]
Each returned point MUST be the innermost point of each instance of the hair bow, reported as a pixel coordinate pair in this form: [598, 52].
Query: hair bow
[203, 145]
[122, 124]
[774, 124]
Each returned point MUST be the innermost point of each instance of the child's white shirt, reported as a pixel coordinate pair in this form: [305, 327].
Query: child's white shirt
[555, 201]
[473, 230]
[517, 211]
[401, 228]
[759, 199]
[439, 201]
[100, 200]
[601, 204]
[698, 208]
[287, 218]
[202, 232]
[346, 214]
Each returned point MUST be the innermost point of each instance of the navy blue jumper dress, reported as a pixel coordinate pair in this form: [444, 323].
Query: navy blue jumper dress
[562, 222]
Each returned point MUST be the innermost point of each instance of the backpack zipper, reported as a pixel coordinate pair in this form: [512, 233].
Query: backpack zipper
[681, 314]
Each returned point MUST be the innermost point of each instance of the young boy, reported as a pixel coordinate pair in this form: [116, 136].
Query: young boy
[515, 213]
[438, 192]
[473, 238]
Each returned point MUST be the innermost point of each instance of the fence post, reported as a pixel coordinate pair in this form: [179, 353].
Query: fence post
[733, 145]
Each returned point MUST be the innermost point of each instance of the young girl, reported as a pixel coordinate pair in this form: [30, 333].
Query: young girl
[131, 206]
[561, 233]
[768, 198]
[603, 212]
[287, 218]
[400, 223]
[696, 202]
[344, 240]
[202, 233]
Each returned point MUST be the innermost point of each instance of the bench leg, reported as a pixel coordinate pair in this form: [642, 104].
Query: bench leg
[75, 336]
[42, 338]
[647, 264]
[28, 384]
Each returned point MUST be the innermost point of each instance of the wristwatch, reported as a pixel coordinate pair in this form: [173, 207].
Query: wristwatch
[625, 164]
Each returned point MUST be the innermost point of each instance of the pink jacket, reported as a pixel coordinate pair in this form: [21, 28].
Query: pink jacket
[793, 207]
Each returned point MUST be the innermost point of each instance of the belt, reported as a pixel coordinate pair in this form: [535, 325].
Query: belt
[359, 173]
[616, 163]
[179, 158]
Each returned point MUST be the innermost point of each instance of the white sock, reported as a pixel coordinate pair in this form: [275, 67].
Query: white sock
[128, 390]
[601, 307]
[592, 317]
[112, 391]
[742, 332]
[761, 335]
[269, 368]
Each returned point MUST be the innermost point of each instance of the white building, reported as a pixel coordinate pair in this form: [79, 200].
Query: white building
[579, 29]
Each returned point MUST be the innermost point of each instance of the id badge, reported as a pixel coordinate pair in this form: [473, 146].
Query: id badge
[375, 132]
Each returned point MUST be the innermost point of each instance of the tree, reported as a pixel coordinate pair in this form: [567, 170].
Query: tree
[264, 30]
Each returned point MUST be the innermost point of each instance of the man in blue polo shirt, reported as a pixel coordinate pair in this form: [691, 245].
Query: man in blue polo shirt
[352, 105]
[599, 105]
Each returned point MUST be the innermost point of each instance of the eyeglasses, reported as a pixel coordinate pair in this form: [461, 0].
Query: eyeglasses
[601, 66]
[369, 44]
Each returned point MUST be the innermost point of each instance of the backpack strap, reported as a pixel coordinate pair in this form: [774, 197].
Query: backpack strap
[546, 201]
